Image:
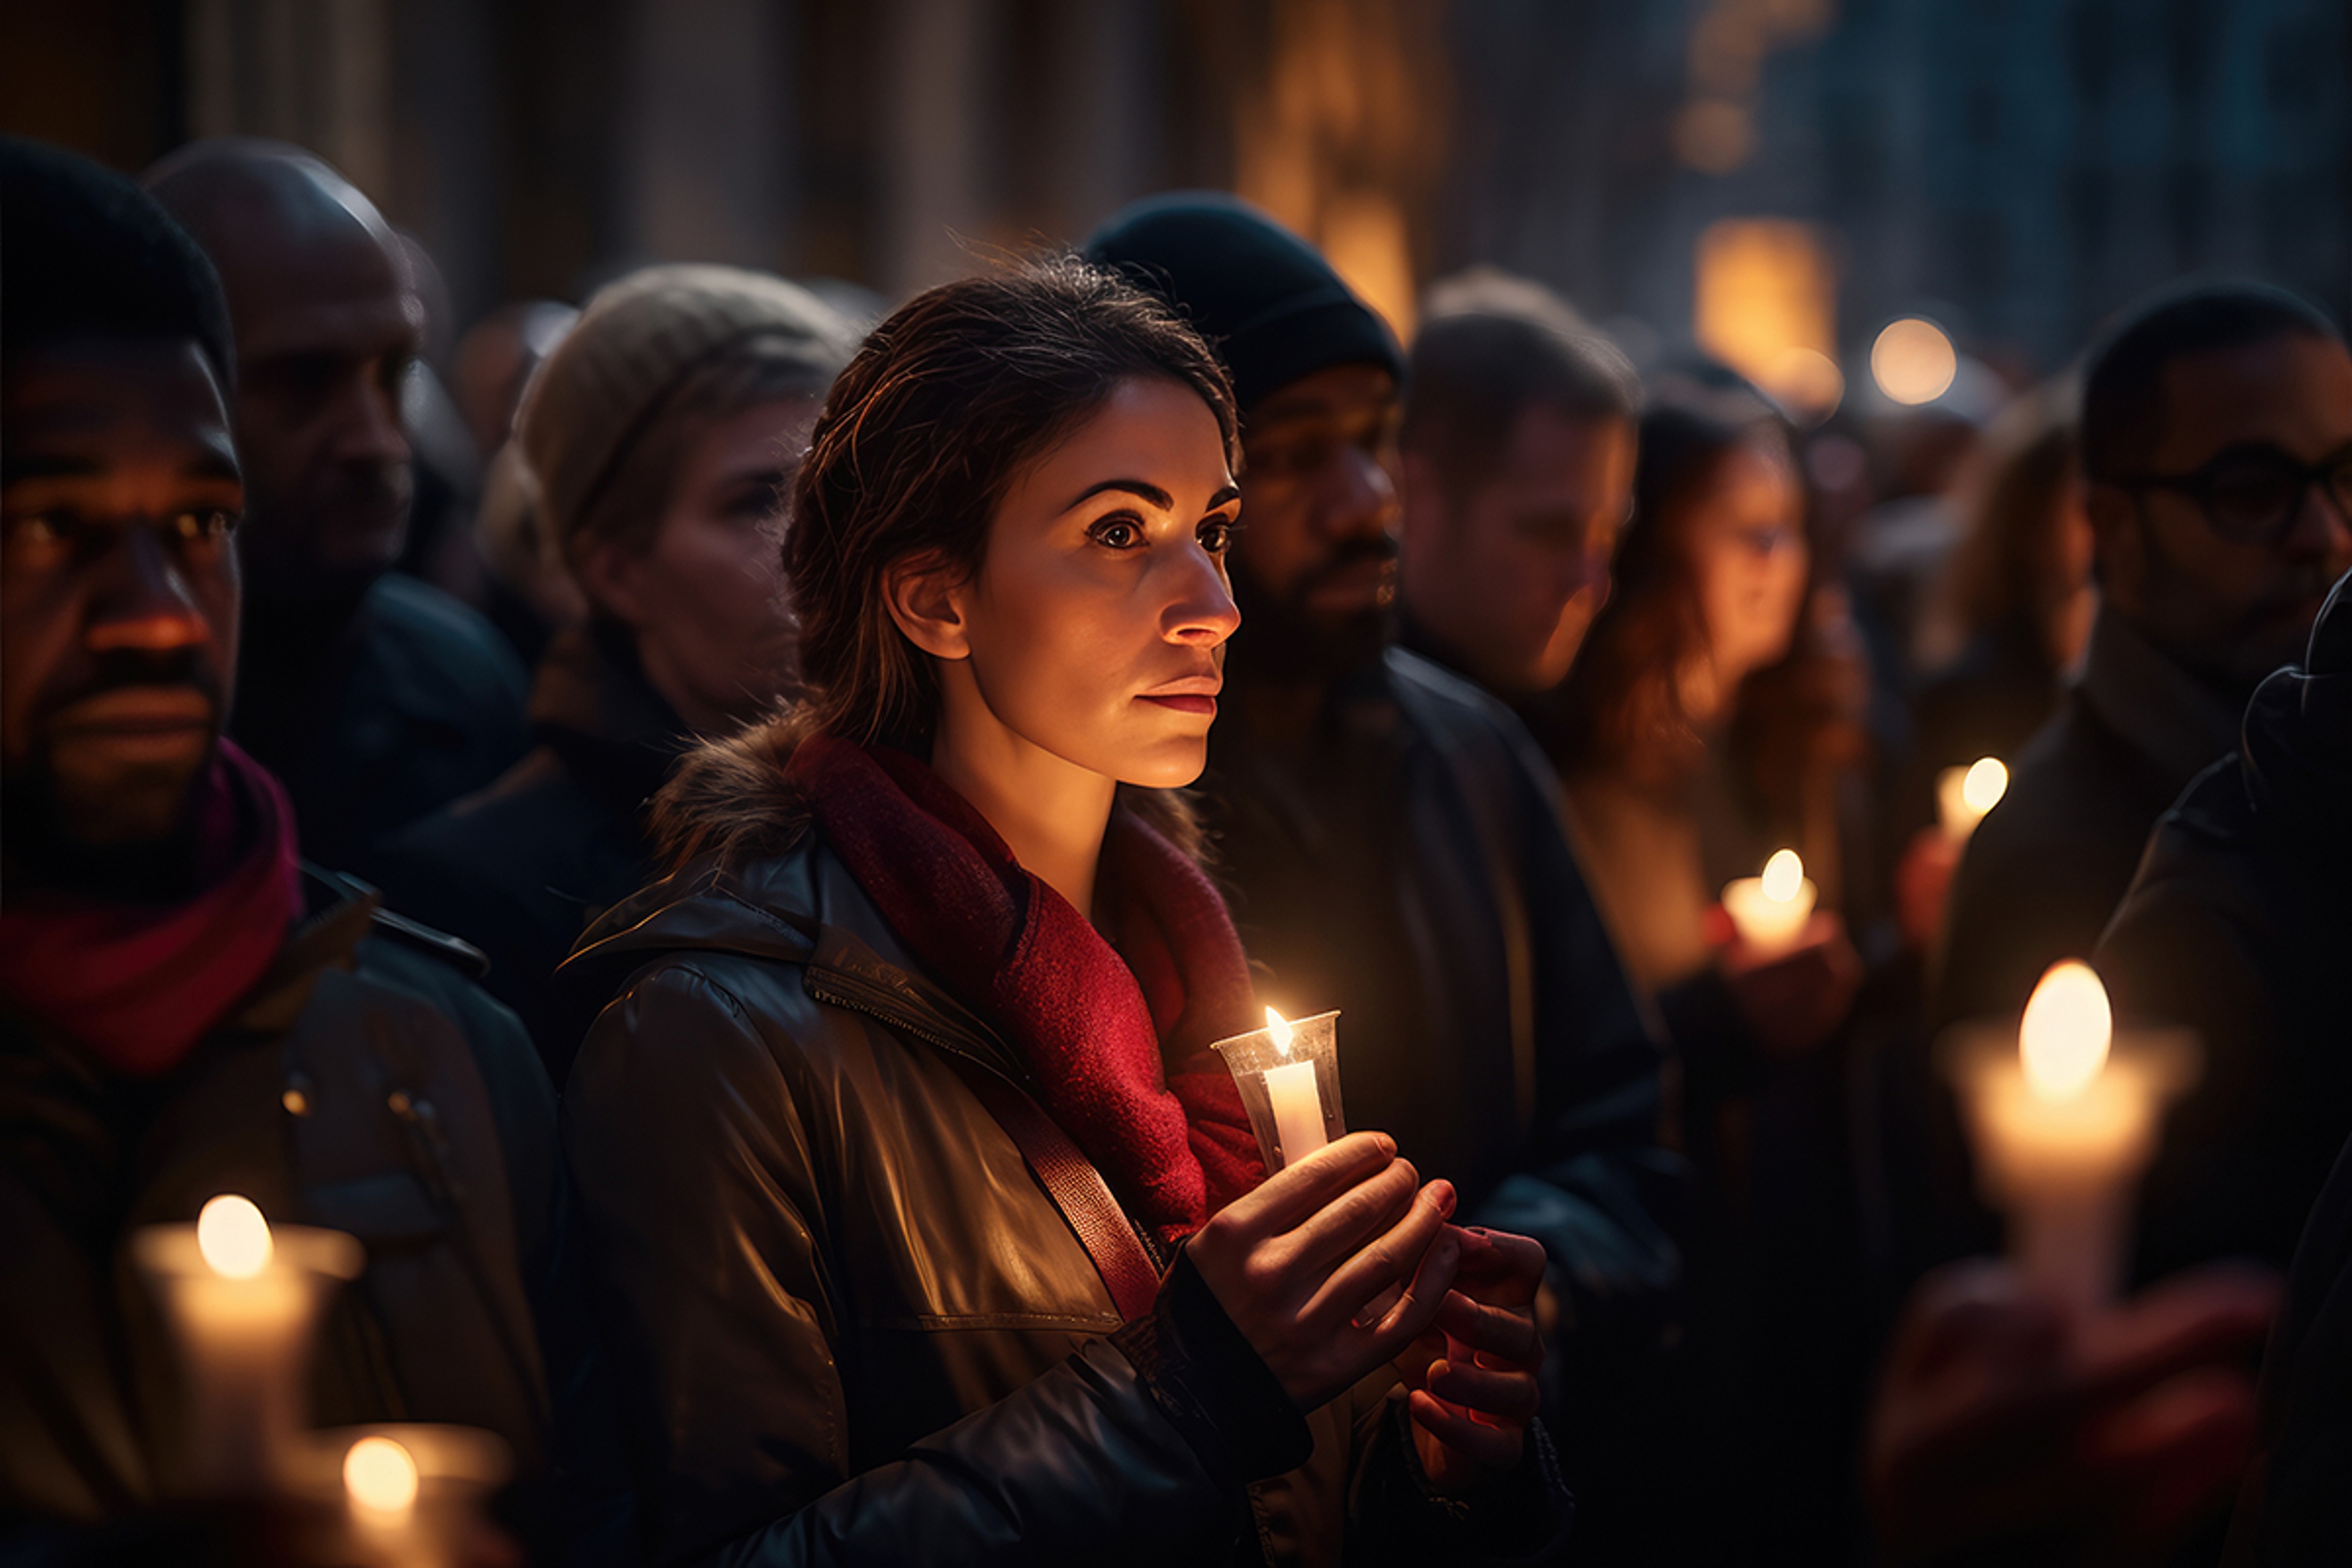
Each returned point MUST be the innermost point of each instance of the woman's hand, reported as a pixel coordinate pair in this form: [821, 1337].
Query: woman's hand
[1796, 999]
[1294, 1264]
[1473, 1374]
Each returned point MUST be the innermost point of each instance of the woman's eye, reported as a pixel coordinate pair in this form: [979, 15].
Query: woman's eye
[1117, 533]
[1217, 535]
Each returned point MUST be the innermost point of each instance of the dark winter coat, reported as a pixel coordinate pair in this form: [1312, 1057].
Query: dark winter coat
[365, 1085]
[410, 702]
[852, 1326]
[1410, 868]
[2044, 871]
[521, 867]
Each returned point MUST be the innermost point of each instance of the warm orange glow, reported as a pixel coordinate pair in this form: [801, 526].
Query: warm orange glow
[1766, 306]
[2067, 1028]
[1784, 874]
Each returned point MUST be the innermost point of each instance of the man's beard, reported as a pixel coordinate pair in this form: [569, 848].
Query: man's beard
[128, 835]
[1282, 641]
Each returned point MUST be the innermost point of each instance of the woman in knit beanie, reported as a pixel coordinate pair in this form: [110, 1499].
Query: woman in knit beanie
[659, 438]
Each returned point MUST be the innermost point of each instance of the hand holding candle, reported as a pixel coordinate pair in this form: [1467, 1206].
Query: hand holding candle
[1769, 911]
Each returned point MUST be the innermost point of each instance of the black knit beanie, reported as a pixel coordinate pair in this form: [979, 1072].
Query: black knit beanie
[1267, 302]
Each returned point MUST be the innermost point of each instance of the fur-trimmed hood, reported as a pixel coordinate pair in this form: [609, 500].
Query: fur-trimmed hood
[729, 800]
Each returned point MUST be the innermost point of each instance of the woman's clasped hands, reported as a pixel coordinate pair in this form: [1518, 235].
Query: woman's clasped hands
[1344, 1260]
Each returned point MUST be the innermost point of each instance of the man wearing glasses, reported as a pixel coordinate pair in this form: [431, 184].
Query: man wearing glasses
[2217, 455]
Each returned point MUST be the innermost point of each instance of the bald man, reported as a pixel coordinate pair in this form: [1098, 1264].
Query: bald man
[374, 697]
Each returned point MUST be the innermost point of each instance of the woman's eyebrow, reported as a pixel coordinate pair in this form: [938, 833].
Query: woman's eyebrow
[1141, 488]
[1225, 497]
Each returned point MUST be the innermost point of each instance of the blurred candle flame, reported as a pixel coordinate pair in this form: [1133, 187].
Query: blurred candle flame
[1784, 874]
[233, 1237]
[379, 1475]
[2067, 1028]
[1986, 782]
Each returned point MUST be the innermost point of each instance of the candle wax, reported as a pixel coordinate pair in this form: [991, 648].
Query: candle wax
[1298, 1110]
[2064, 1171]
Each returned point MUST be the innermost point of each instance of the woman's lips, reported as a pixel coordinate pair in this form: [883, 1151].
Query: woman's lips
[1187, 702]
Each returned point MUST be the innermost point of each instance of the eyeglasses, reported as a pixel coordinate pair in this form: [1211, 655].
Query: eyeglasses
[2254, 493]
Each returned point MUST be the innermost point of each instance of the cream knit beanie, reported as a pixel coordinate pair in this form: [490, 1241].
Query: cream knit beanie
[640, 337]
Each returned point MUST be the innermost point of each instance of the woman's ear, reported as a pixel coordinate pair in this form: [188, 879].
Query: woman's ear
[925, 594]
[607, 574]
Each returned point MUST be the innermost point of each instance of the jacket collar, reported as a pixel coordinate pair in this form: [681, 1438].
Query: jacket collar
[2176, 721]
[801, 908]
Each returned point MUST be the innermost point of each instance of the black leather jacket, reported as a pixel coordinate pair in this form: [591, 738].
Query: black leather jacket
[852, 1327]
[364, 1086]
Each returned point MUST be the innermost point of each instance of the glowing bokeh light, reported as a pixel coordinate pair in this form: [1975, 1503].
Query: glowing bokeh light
[1914, 360]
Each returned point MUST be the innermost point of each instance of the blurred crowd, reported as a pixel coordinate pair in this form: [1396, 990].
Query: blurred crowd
[688, 822]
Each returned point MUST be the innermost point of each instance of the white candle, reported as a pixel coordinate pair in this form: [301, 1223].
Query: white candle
[1288, 1077]
[2063, 1127]
[1298, 1110]
[1769, 911]
[1963, 796]
[242, 1301]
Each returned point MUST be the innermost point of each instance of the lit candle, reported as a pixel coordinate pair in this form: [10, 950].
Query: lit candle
[1298, 1102]
[2064, 1127]
[411, 1494]
[242, 1300]
[1288, 1075]
[1769, 911]
[1963, 796]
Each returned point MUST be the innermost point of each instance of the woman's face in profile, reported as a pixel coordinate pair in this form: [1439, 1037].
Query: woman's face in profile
[1098, 621]
[1748, 558]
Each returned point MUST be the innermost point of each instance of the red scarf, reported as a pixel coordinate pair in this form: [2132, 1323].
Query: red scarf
[139, 985]
[1117, 1049]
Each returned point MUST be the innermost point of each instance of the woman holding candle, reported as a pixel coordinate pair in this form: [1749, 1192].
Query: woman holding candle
[906, 1101]
[1707, 726]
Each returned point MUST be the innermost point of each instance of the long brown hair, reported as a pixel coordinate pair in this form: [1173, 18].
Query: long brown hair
[1623, 697]
[919, 440]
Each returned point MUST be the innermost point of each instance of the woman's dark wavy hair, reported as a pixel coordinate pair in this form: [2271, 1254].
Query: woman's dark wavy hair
[920, 438]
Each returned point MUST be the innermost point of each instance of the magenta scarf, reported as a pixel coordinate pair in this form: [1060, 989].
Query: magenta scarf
[141, 984]
[1117, 1046]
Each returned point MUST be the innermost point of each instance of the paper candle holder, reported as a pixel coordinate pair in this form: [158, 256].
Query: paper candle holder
[1274, 1082]
[2065, 1173]
[244, 1345]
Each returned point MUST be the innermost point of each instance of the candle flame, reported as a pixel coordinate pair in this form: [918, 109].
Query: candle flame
[1279, 1027]
[1985, 782]
[1784, 874]
[2066, 1031]
[233, 1238]
[379, 1475]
